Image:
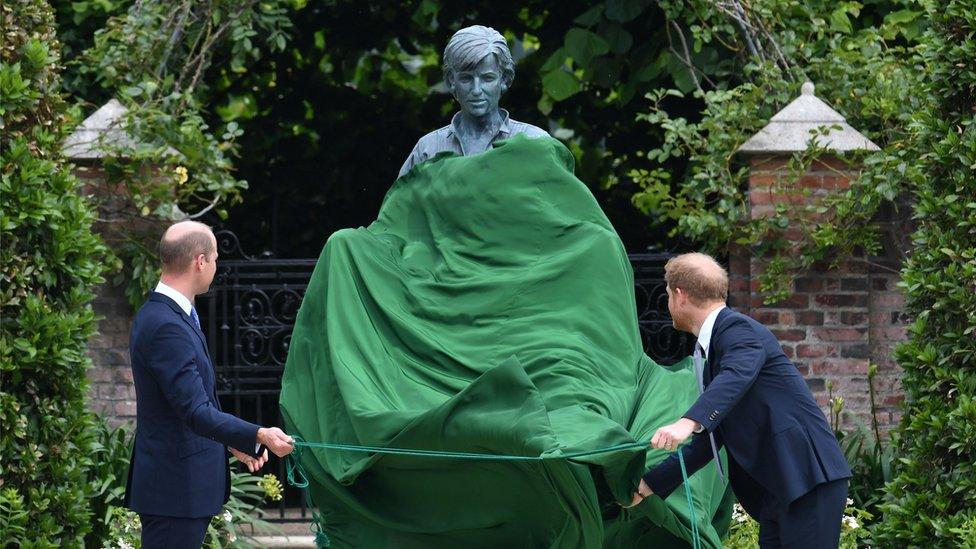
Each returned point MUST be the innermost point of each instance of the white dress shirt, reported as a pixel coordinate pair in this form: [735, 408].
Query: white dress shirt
[705, 338]
[176, 296]
[705, 333]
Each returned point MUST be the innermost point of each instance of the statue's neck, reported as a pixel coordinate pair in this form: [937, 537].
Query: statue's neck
[481, 127]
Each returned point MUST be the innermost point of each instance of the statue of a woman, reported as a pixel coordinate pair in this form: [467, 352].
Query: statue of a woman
[478, 69]
[489, 311]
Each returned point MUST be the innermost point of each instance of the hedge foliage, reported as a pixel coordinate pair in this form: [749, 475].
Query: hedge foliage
[931, 502]
[49, 264]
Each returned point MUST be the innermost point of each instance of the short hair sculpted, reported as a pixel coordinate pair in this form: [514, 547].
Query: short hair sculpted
[470, 45]
[699, 276]
[176, 254]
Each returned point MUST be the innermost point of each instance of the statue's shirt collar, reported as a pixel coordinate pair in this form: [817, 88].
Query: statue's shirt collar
[503, 129]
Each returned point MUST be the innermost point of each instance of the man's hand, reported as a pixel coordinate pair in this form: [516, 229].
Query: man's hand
[643, 491]
[671, 436]
[276, 440]
[253, 464]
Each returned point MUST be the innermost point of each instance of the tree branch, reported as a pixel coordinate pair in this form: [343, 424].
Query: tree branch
[686, 58]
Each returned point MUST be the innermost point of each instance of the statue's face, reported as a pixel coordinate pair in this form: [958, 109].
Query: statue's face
[479, 90]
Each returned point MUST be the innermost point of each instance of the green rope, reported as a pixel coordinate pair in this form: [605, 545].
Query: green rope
[297, 477]
[695, 540]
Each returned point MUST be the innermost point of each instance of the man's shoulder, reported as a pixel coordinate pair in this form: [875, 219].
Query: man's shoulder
[730, 318]
[154, 314]
[155, 304]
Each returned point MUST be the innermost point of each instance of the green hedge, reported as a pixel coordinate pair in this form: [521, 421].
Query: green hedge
[931, 502]
[50, 262]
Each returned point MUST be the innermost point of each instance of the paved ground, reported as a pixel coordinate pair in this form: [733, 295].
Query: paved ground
[287, 534]
[283, 542]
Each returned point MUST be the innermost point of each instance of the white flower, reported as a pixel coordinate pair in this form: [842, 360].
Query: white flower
[124, 544]
[228, 517]
[850, 502]
[851, 522]
[231, 536]
[739, 514]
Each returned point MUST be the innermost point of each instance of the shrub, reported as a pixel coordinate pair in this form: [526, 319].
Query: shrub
[932, 499]
[111, 452]
[234, 528]
[744, 532]
[49, 264]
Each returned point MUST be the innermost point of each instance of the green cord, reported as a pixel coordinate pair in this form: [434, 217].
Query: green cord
[299, 442]
[297, 477]
[695, 540]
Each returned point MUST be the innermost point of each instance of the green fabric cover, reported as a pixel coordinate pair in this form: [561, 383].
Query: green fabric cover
[490, 308]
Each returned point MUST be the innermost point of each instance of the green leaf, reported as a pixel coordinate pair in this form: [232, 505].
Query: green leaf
[901, 17]
[682, 76]
[583, 45]
[625, 10]
[555, 61]
[648, 72]
[591, 17]
[618, 38]
[560, 85]
[544, 105]
[839, 21]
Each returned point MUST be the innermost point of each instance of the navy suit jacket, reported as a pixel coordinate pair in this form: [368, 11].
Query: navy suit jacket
[760, 408]
[179, 464]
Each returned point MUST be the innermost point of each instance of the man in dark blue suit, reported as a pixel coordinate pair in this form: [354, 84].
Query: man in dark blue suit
[179, 476]
[785, 465]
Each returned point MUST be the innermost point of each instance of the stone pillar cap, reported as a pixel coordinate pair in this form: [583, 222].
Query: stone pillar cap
[790, 129]
[100, 132]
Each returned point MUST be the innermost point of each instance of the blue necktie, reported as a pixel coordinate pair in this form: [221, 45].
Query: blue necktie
[195, 317]
[700, 374]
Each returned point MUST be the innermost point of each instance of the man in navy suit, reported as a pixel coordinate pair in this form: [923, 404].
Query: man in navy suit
[784, 463]
[179, 476]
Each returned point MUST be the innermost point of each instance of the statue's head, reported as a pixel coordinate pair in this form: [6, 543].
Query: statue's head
[478, 69]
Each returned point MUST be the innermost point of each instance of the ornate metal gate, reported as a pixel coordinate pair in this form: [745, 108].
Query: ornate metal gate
[250, 311]
[248, 316]
[661, 341]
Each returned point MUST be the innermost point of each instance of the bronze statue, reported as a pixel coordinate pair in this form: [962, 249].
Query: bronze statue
[478, 69]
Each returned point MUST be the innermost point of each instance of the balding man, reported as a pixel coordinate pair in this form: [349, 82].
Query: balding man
[785, 465]
[179, 475]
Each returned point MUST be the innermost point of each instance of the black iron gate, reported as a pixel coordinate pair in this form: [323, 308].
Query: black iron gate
[661, 341]
[250, 311]
[248, 317]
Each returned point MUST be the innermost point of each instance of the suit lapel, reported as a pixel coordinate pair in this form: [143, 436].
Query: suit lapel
[210, 372]
[186, 318]
[193, 326]
[198, 331]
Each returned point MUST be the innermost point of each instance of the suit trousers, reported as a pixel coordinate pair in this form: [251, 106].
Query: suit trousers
[812, 521]
[173, 532]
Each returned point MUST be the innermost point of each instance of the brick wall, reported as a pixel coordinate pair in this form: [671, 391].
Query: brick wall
[837, 321]
[112, 394]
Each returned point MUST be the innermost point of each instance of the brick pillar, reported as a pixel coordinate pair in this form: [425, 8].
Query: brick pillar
[112, 394]
[836, 322]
